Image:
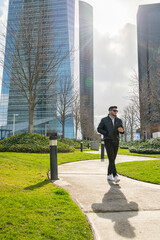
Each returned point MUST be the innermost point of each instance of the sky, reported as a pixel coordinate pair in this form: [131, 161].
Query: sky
[115, 51]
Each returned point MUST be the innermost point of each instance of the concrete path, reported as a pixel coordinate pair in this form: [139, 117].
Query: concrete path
[128, 210]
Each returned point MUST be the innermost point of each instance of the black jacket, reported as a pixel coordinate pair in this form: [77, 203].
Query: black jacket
[108, 130]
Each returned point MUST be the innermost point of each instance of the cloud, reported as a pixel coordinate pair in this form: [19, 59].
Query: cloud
[2, 2]
[3, 6]
[3, 13]
[114, 60]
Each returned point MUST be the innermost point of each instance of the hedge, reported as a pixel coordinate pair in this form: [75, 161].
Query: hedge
[31, 143]
[74, 142]
[144, 151]
[127, 145]
[151, 146]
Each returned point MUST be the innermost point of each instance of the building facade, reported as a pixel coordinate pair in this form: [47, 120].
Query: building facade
[13, 104]
[148, 32]
[86, 67]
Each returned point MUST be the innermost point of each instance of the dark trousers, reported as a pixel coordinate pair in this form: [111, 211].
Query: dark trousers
[112, 149]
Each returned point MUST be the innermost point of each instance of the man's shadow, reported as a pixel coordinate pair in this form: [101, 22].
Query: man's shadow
[115, 207]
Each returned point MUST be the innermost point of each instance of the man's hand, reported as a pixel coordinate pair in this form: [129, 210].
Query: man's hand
[120, 129]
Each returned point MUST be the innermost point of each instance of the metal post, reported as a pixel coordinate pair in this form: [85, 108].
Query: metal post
[82, 146]
[102, 150]
[53, 156]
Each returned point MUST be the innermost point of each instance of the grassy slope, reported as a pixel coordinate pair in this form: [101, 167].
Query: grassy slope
[126, 152]
[147, 171]
[33, 208]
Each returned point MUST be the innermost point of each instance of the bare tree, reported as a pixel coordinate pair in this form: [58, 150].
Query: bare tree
[65, 101]
[144, 96]
[131, 113]
[125, 123]
[130, 121]
[87, 128]
[76, 112]
[141, 100]
[134, 95]
[31, 57]
[96, 136]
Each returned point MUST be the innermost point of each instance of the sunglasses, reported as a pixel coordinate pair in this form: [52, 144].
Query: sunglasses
[115, 111]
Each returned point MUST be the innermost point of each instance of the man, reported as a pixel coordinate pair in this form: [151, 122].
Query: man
[110, 127]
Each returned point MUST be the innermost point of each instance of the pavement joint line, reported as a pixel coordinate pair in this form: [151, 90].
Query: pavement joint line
[95, 233]
[79, 203]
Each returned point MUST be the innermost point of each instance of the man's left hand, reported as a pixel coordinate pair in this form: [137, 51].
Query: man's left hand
[120, 129]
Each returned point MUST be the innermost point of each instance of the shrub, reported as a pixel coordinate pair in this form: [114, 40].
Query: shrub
[126, 145]
[71, 142]
[26, 138]
[151, 146]
[65, 148]
[74, 142]
[31, 143]
[145, 151]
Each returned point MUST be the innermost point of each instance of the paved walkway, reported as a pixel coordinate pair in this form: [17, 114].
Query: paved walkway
[128, 210]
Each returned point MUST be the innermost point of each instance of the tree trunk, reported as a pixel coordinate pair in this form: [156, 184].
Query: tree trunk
[31, 112]
[76, 131]
[131, 133]
[63, 128]
[125, 135]
[125, 132]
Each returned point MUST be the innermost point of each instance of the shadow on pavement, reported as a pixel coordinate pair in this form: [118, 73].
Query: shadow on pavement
[115, 207]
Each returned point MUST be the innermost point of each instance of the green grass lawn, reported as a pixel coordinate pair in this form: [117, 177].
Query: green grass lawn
[31, 207]
[146, 171]
[126, 152]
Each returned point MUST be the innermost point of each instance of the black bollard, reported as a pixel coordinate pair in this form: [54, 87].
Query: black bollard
[53, 156]
[81, 146]
[102, 150]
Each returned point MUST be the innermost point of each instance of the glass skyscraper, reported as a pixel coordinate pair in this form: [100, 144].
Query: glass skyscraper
[86, 66]
[12, 102]
[148, 31]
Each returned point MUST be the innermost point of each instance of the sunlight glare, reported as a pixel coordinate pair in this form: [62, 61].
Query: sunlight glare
[110, 16]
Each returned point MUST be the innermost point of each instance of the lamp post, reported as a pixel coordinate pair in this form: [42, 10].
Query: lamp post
[14, 119]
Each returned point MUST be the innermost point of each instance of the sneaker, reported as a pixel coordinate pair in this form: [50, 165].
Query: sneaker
[116, 179]
[110, 178]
